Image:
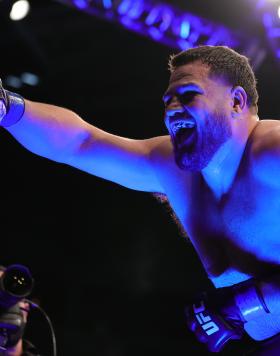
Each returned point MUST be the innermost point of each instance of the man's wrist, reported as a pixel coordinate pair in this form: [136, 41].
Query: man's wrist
[11, 109]
[249, 299]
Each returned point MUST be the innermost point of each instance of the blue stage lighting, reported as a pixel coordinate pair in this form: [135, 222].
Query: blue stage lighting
[167, 18]
[185, 29]
[155, 33]
[183, 44]
[124, 7]
[107, 4]
[128, 23]
[153, 16]
[194, 36]
[167, 24]
[267, 20]
[136, 9]
[216, 38]
[268, 10]
[274, 33]
[30, 79]
[81, 4]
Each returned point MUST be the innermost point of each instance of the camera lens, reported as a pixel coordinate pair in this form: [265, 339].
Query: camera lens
[17, 280]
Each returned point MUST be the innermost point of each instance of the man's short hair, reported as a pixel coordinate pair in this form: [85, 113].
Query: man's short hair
[223, 62]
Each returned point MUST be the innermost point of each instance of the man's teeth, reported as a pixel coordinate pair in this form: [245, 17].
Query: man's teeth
[182, 125]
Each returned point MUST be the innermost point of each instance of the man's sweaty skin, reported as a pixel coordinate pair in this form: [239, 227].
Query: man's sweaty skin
[205, 196]
[229, 208]
[226, 191]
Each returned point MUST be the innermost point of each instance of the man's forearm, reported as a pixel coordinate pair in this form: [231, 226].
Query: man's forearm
[48, 130]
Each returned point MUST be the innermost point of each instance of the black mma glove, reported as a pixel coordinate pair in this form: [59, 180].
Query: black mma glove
[11, 107]
[218, 317]
[215, 319]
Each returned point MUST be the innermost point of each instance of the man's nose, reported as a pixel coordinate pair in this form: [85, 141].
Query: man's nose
[174, 107]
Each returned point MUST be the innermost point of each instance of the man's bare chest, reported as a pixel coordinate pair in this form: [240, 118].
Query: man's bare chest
[241, 230]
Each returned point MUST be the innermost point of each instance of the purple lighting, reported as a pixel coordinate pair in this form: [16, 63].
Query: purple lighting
[167, 17]
[124, 7]
[81, 4]
[136, 10]
[166, 24]
[269, 13]
[153, 16]
[183, 44]
[107, 4]
[155, 33]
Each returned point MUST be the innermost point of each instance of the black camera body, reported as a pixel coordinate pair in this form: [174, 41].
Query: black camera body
[16, 283]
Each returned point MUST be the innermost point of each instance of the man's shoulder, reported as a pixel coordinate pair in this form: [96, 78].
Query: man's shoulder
[160, 145]
[162, 154]
[162, 157]
[160, 150]
[265, 151]
[265, 138]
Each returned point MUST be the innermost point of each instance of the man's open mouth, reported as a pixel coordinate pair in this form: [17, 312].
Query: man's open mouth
[183, 130]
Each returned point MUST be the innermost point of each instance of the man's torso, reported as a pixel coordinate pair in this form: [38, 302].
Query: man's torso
[236, 236]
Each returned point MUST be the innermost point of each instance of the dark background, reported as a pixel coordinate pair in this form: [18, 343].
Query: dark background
[110, 266]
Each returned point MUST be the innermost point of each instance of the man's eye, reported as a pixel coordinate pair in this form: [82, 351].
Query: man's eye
[167, 101]
[187, 97]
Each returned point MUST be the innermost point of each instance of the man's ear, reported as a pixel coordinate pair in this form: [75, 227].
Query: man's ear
[239, 100]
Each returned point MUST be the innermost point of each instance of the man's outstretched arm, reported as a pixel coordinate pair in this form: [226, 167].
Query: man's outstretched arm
[62, 136]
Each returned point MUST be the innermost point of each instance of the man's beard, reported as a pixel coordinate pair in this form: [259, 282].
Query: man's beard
[197, 155]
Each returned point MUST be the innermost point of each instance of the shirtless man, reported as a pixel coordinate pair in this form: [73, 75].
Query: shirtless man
[223, 184]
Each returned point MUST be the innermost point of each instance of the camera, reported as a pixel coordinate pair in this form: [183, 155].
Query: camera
[16, 283]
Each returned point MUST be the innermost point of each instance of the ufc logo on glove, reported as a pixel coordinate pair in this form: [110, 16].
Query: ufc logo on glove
[207, 324]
